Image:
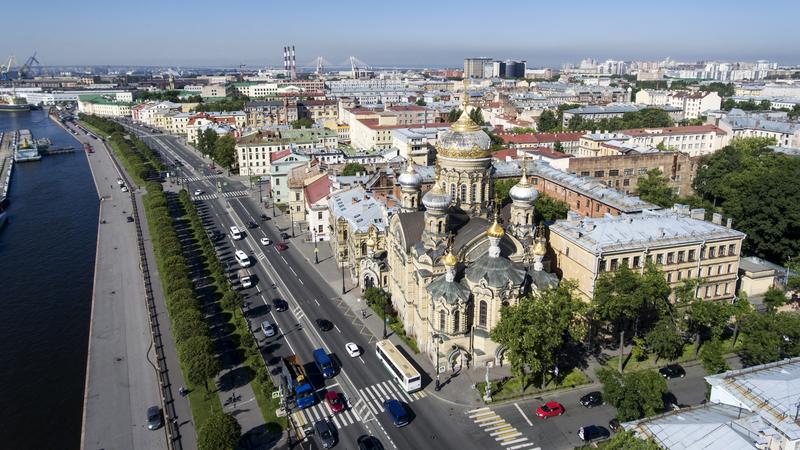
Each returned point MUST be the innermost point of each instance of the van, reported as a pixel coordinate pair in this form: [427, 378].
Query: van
[245, 279]
[236, 234]
[396, 412]
[242, 258]
[324, 363]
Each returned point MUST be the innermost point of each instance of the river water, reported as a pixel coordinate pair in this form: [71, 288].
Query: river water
[47, 252]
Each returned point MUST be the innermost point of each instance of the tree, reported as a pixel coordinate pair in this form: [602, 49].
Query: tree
[634, 395]
[548, 209]
[225, 151]
[219, 432]
[453, 115]
[197, 354]
[537, 326]
[665, 339]
[774, 298]
[304, 122]
[188, 324]
[655, 188]
[741, 308]
[712, 357]
[769, 337]
[231, 300]
[626, 440]
[206, 141]
[707, 319]
[351, 169]
[421, 102]
[558, 146]
[379, 301]
[548, 122]
[477, 116]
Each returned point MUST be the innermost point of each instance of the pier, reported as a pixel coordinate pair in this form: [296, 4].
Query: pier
[25, 148]
[6, 166]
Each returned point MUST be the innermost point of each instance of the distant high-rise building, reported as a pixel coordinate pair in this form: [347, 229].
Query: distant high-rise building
[514, 69]
[474, 67]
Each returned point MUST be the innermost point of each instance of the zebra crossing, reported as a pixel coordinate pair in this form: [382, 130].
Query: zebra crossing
[231, 194]
[501, 431]
[298, 312]
[375, 395]
[321, 411]
[198, 178]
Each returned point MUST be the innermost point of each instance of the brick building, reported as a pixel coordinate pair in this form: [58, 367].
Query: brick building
[624, 170]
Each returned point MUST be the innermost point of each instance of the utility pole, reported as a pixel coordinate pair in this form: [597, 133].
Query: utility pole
[438, 339]
[316, 250]
[343, 290]
[385, 319]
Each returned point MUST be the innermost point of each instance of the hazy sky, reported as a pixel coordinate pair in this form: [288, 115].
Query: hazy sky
[405, 32]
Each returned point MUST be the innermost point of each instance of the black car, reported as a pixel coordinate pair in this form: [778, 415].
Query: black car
[280, 305]
[592, 399]
[264, 217]
[285, 236]
[251, 224]
[366, 442]
[326, 433]
[129, 219]
[154, 421]
[324, 325]
[672, 371]
[592, 432]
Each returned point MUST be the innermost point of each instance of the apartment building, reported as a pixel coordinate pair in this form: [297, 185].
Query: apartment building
[416, 144]
[693, 140]
[775, 125]
[103, 105]
[616, 110]
[569, 141]
[693, 103]
[318, 109]
[262, 113]
[254, 150]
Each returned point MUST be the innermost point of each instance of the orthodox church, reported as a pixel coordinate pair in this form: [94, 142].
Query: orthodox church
[454, 259]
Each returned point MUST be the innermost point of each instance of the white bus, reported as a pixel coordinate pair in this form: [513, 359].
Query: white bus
[235, 233]
[242, 258]
[399, 366]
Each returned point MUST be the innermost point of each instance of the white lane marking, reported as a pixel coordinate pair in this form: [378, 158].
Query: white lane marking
[515, 441]
[335, 326]
[485, 408]
[525, 445]
[495, 426]
[523, 415]
[284, 260]
[301, 281]
[492, 424]
[317, 302]
[290, 268]
[362, 360]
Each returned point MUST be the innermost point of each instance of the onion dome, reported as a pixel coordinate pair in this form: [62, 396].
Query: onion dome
[539, 249]
[465, 139]
[524, 190]
[370, 242]
[410, 178]
[495, 230]
[436, 198]
[449, 259]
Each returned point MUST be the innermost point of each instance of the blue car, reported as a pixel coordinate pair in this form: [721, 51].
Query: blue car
[396, 412]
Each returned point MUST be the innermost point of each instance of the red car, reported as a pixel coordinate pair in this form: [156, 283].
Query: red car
[550, 409]
[281, 246]
[334, 402]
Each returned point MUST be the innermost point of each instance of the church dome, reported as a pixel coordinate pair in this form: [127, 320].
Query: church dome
[465, 139]
[523, 191]
[449, 259]
[410, 178]
[495, 230]
[436, 198]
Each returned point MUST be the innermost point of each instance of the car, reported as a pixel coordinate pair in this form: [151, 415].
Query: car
[326, 433]
[198, 192]
[216, 235]
[324, 325]
[154, 420]
[120, 182]
[264, 217]
[550, 409]
[129, 219]
[672, 371]
[124, 188]
[613, 424]
[281, 246]
[218, 172]
[395, 410]
[334, 402]
[352, 349]
[265, 241]
[267, 328]
[280, 305]
[592, 399]
[366, 442]
[285, 236]
[592, 432]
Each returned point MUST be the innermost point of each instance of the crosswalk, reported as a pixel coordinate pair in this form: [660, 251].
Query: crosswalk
[321, 411]
[375, 395]
[230, 194]
[501, 431]
[199, 178]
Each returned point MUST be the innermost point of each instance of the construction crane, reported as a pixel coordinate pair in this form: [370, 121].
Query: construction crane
[23, 70]
[5, 71]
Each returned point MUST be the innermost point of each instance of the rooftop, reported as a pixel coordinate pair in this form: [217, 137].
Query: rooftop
[360, 209]
[539, 138]
[617, 108]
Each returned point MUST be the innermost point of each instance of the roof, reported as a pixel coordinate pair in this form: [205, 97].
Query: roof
[497, 271]
[546, 152]
[451, 291]
[318, 189]
[696, 129]
[618, 108]
[412, 224]
[279, 154]
[538, 138]
[648, 229]
[360, 209]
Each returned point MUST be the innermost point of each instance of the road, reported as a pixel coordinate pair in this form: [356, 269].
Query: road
[121, 381]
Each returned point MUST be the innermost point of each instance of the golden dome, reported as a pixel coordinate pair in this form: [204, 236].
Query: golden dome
[370, 242]
[539, 249]
[495, 230]
[449, 259]
[464, 139]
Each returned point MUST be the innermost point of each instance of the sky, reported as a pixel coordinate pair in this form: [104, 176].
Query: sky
[417, 33]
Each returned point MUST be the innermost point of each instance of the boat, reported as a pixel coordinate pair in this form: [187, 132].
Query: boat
[12, 103]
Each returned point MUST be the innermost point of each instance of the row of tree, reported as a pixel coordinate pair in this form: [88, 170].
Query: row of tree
[221, 149]
[235, 103]
[101, 123]
[169, 95]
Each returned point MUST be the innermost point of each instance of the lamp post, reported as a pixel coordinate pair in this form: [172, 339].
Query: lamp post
[385, 319]
[437, 340]
[343, 289]
[316, 250]
[291, 217]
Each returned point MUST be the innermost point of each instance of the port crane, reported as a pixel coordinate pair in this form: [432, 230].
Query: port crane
[22, 71]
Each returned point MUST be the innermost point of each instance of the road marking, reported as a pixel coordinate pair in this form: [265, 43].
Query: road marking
[503, 430]
[362, 361]
[486, 418]
[290, 268]
[523, 415]
[335, 326]
[515, 441]
[485, 408]
[527, 444]
[507, 435]
[284, 260]
[503, 424]
[301, 281]
[317, 302]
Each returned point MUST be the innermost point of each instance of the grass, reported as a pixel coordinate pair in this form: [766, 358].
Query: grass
[688, 355]
[202, 403]
[511, 387]
[96, 131]
[397, 327]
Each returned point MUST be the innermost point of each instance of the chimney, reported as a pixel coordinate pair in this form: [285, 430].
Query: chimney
[716, 219]
[698, 214]
[728, 223]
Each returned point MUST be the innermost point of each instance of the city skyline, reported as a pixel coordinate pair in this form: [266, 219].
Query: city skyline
[417, 34]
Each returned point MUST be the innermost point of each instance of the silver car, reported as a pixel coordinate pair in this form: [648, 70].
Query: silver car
[267, 328]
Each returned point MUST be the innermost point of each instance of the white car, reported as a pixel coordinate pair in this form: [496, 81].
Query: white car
[198, 192]
[120, 182]
[352, 349]
[124, 188]
[268, 329]
[265, 241]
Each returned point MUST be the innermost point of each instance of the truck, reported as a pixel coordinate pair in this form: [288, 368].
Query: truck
[244, 278]
[294, 378]
[324, 363]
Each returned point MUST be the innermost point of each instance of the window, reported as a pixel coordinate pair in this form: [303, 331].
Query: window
[319, 215]
[602, 265]
[732, 249]
[680, 256]
[679, 275]
[730, 266]
[613, 173]
[626, 182]
[613, 264]
[629, 172]
[719, 269]
[296, 196]
[669, 278]
[670, 258]
[482, 313]
[660, 258]
[599, 173]
[721, 250]
[689, 273]
[636, 261]
[707, 291]
[463, 196]
[727, 288]
[708, 272]
[716, 290]
[691, 255]
[702, 253]
[363, 248]
[585, 173]
[277, 181]
[649, 258]
[442, 320]
[597, 207]
[711, 251]
[456, 320]
[625, 262]
[452, 190]
[578, 204]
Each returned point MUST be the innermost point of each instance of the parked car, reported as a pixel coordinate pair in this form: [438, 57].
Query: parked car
[281, 246]
[592, 432]
[326, 433]
[672, 371]
[280, 305]
[285, 236]
[396, 412]
[264, 217]
[352, 349]
[154, 420]
[129, 219]
[124, 188]
[366, 442]
[550, 409]
[614, 425]
[251, 224]
[334, 402]
[265, 241]
[324, 325]
[592, 399]
[120, 182]
[267, 328]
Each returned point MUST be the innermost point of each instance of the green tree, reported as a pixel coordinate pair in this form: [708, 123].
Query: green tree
[225, 151]
[421, 102]
[304, 122]
[723, 89]
[188, 324]
[351, 169]
[453, 115]
[197, 355]
[537, 326]
[774, 298]
[206, 141]
[707, 319]
[548, 121]
[379, 301]
[548, 209]
[231, 301]
[712, 357]
[634, 395]
[477, 116]
[219, 432]
[626, 440]
[741, 309]
[655, 188]
[665, 339]
[558, 146]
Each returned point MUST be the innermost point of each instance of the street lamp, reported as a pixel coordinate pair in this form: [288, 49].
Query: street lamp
[385, 319]
[343, 290]
[316, 250]
[437, 340]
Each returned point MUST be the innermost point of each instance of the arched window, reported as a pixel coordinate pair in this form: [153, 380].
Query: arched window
[413, 202]
[344, 235]
[441, 320]
[456, 320]
[439, 227]
[527, 219]
[473, 189]
[483, 312]
[452, 190]
[463, 196]
[363, 248]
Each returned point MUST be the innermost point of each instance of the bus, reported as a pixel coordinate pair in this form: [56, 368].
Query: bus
[242, 258]
[399, 366]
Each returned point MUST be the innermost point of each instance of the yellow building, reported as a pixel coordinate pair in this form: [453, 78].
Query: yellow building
[679, 241]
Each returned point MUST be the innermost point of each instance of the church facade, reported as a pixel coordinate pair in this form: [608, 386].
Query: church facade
[454, 258]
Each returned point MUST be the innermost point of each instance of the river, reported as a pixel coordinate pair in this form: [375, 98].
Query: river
[47, 252]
